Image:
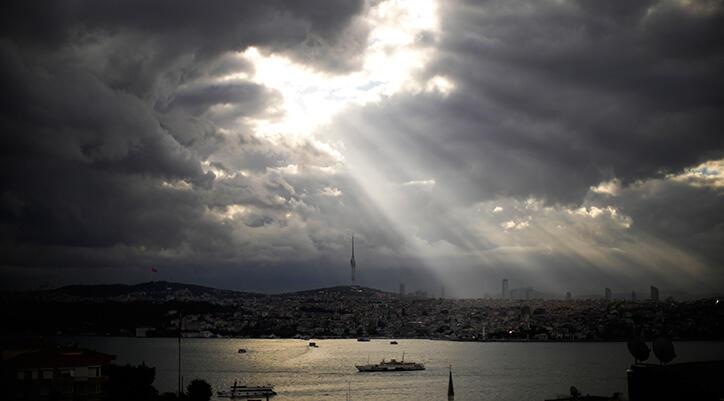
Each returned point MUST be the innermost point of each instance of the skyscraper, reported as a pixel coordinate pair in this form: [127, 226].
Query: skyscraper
[352, 262]
[633, 296]
[442, 291]
[402, 289]
[654, 294]
[505, 294]
[568, 296]
[608, 294]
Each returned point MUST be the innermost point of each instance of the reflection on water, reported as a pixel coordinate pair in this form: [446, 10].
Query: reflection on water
[482, 371]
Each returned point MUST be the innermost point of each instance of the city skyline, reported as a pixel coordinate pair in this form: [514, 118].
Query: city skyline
[568, 146]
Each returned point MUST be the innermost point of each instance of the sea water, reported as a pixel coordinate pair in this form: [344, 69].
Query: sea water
[514, 371]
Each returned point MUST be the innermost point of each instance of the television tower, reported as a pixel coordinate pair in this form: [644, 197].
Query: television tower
[352, 262]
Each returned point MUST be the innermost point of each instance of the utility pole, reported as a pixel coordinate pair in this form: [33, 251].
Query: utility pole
[180, 321]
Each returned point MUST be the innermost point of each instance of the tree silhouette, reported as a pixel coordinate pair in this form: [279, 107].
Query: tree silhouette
[198, 390]
[131, 382]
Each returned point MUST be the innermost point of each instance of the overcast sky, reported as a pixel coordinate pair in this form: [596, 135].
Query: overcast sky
[565, 145]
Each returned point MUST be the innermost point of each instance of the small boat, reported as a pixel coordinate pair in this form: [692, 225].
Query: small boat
[614, 397]
[391, 366]
[245, 392]
[242, 350]
[363, 339]
[313, 344]
[393, 342]
[577, 396]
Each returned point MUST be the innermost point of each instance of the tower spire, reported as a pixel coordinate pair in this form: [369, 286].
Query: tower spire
[450, 389]
[352, 262]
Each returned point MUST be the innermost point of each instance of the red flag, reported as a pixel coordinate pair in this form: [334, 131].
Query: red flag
[153, 269]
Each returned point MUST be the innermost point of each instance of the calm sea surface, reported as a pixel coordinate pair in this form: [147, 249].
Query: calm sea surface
[481, 371]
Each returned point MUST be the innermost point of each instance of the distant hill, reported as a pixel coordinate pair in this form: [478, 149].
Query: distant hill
[342, 291]
[154, 290]
[160, 291]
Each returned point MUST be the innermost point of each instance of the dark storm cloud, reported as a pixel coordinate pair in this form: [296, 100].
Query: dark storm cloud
[247, 98]
[553, 97]
[108, 116]
[126, 144]
[685, 215]
[208, 27]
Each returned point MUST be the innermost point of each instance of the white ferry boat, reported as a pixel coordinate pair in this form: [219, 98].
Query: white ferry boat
[391, 366]
[243, 392]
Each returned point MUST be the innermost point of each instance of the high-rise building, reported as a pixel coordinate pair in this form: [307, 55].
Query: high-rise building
[633, 296]
[352, 262]
[505, 294]
[402, 289]
[568, 296]
[608, 294]
[654, 294]
[442, 291]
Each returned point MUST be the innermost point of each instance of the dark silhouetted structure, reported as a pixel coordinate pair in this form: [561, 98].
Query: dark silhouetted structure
[664, 350]
[701, 381]
[654, 294]
[638, 349]
[505, 294]
[633, 296]
[352, 262]
[450, 388]
[608, 294]
[568, 296]
[402, 289]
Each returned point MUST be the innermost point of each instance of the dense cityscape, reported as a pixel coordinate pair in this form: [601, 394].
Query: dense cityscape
[152, 309]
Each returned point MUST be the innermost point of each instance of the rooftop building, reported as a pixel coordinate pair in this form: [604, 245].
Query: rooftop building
[57, 374]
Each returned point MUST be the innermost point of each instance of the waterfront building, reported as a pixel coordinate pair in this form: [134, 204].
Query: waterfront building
[57, 374]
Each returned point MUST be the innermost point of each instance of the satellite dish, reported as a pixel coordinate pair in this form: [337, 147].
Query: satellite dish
[664, 350]
[638, 349]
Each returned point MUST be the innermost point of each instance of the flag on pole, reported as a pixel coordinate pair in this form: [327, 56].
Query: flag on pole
[153, 269]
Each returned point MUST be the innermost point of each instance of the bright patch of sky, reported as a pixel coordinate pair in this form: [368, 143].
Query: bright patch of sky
[392, 58]
[708, 174]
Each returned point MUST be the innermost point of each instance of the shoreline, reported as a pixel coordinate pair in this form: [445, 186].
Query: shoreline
[372, 339]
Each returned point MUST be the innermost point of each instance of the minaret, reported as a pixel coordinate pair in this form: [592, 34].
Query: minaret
[450, 389]
[352, 262]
